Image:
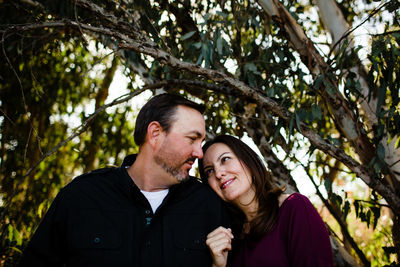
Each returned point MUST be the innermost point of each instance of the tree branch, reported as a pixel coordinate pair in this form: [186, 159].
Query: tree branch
[78, 131]
[151, 49]
[339, 220]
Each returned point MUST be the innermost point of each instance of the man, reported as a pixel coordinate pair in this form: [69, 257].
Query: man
[148, 212]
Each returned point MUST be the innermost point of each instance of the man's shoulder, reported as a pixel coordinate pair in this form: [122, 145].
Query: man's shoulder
[95, 184]
[196, 184]
[97, 176]
[195, 189]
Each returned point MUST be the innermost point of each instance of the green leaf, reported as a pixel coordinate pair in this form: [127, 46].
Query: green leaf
[200, 59]
[207, 17]
[222, 14]
[368, 218]
[316, 112]
[381, 97]
[204, 52]
[328, 185]
[346, 209]
[318, 81]
[329, 88]
[17, 236]
[187, 35]
[210, 53]
[40, 209]
[397, 142]
[337, 199]
[389, 250]
[356, 207]
[362, 216]
[377, 214]
[197, 45]
[251, 67]
[10, 232]
[16, 249]
[380, 152]
[298, 121]
[291, 127]
[220, 45]
[271, 92]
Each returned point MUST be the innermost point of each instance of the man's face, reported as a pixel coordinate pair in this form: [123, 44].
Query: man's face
[182, 144]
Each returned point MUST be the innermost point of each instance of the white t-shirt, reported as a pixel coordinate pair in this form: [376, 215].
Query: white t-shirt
[155, 198]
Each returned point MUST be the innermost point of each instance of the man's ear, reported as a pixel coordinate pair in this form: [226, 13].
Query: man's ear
[154, 133]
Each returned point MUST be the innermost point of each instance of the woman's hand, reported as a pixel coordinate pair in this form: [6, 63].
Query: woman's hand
[219, 243]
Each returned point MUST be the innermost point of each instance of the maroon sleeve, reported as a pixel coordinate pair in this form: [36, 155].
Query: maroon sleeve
[308, 242]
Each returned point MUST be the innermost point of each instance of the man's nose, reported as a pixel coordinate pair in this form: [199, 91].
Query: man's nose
[198, 152]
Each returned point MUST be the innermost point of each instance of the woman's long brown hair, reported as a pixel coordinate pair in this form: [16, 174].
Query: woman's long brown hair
[265, 193]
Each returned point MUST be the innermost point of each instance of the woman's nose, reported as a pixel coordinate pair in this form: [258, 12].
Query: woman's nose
[219, 173]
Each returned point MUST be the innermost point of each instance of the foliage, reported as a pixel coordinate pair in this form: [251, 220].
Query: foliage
[45, 86]
[246, 68]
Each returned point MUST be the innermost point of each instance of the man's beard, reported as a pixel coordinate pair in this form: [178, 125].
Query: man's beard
[169, 167]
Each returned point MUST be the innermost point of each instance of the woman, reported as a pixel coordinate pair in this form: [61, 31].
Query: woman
[271, 228]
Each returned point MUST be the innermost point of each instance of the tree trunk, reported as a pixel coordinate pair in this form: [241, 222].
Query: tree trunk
[91, 162]
[337, 26]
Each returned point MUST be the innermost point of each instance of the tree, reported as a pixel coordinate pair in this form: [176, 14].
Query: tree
[288, 74]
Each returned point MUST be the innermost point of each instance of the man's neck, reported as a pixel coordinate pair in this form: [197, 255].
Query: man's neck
[147, 175]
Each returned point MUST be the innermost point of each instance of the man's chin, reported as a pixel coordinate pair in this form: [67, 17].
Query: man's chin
[182, 177]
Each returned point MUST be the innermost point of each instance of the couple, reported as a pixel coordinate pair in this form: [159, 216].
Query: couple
[149, 212]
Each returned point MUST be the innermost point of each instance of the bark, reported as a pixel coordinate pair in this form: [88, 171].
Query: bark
[91, 162]
[140, 45]
[259, 130]
[346, 120]
[341, 257]
[131, 39]
[334, 21]
[396, 235]
[271, 106]
[337, 214]
[337, 26]
[332, 175]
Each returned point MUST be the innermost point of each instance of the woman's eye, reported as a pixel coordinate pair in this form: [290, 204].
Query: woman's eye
[208, 172]
[223, 159]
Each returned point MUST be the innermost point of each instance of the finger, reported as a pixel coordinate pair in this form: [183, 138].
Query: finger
[220, 233]
[215, 242]
[218, 249]
[217, 231]
[218, 238]
[221, 244]
[220, 230]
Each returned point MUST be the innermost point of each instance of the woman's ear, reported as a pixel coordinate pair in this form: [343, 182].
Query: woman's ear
[154, 133]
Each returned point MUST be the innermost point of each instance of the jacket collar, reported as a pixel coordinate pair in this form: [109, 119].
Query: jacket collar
[130, 187]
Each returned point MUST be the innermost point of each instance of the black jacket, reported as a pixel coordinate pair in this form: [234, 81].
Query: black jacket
[102, 219]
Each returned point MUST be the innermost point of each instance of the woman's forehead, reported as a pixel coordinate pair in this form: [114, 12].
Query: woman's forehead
[215, 151]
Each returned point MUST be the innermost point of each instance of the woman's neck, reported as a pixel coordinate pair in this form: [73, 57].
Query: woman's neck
[250, 210]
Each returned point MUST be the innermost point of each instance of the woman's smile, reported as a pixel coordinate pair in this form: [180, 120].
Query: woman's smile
[226, 183]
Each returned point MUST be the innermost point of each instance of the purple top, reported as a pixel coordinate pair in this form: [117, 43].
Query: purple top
[299, 238]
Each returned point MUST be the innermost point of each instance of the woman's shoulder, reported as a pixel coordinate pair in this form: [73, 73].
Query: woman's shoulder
[293, 200]
[297, 207]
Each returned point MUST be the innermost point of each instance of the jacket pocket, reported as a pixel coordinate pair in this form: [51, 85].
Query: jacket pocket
[94, 229]
[188, 233]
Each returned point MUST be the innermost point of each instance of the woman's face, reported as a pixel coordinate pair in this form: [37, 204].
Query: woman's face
[227, 175]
